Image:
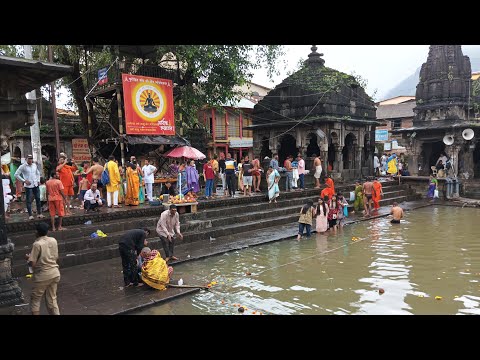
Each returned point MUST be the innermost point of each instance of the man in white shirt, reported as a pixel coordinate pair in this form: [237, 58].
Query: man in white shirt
[29, 175]
[92, 199]
[167, 226]
[376, 165]
[301, 171]
[148, 176]
[444, 159]
[383, 162]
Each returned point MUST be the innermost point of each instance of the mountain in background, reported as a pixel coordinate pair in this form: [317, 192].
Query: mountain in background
[409, 85]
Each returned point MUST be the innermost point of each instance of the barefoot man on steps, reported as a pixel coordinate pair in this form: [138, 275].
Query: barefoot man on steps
[317, 165]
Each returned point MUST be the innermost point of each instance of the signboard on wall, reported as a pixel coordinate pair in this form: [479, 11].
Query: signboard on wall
[148, 105]
[387, 146]
[80, 150]
[381, 135]
[241, 142]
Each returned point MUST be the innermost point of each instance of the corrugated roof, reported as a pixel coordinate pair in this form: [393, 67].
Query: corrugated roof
[28, 74]
[403, 110]
[243, 103]
[396, 100]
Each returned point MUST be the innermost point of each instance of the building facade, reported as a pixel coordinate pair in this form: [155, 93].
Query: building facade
[225, 129]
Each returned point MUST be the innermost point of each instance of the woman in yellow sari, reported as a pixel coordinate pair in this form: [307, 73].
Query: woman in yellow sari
[133, 184]
[155, 272]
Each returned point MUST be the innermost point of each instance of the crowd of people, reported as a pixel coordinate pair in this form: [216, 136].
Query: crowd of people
[332, 207]
[92, 184]
[143, 265]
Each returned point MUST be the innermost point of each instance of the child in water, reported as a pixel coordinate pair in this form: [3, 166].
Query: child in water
[305, 220]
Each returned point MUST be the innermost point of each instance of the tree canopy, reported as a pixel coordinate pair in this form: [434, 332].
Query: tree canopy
[211, 73]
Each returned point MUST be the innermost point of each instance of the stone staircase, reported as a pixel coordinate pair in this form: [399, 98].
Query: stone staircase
[216, 218]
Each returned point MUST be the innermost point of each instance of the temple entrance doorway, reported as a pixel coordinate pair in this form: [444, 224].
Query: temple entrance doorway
[476, 161]
[312, 148]
[265, 150]
[288, 146]
[331, 156]
[432, 152]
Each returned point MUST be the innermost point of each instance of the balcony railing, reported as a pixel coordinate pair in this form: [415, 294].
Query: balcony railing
[114, 74]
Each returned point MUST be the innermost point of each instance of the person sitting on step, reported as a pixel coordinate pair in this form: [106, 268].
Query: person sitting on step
[92, 199]
[155, 272]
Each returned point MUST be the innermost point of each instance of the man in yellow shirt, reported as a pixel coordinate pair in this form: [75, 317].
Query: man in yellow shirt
[113, 185]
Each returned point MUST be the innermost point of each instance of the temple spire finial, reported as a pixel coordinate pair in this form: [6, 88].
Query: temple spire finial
[314, 58]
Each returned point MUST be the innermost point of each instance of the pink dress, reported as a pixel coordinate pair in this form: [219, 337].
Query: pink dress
[321, 219]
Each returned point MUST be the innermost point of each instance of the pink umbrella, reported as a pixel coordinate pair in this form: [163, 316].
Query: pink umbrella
[187, 152]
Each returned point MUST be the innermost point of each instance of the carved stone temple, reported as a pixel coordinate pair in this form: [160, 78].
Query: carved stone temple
[318, 110]
[444, 120]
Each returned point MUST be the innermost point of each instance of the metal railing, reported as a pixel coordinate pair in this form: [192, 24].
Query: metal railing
[114, 74]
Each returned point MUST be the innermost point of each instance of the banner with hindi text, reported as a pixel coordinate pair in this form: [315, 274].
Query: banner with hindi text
[148, 105]
[80, 150]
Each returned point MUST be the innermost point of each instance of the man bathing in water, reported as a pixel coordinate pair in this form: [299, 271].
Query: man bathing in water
[367, 196]
[397, 213]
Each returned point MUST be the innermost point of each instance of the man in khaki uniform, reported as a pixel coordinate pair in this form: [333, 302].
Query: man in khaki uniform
[46, 276]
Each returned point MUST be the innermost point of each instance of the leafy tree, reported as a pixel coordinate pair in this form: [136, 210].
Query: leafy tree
[211, 73]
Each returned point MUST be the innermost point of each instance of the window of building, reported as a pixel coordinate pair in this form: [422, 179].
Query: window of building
[247, 122]
[210, 125]
[233, 124]
[220, 126]
[396, 124]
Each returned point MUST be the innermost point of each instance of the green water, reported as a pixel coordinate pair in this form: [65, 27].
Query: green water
[434, 252]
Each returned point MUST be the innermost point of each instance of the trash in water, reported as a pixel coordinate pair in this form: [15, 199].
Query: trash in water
[28, 276]
[188, 256]
[89, 222]
[212, 238]
[22, 304]
[438, 298]
[180, 282]
[70, 255]
[94, 235]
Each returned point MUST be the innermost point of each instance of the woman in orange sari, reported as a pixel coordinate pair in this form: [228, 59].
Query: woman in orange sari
[377, 194]
[133, 184]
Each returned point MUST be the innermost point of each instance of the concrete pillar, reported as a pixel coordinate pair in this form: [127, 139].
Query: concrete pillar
[338, 163]
[468, 164]
[452, 152]
[358, 161]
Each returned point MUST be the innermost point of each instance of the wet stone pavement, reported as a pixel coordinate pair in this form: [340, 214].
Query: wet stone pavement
[97, 288]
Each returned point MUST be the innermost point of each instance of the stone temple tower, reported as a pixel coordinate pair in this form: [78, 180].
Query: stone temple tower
[443, 88]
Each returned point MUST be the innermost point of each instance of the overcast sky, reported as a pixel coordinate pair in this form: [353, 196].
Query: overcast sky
[383, 66]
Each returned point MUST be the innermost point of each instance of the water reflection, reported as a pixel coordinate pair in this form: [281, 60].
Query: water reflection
[432, 255]
[389, 272]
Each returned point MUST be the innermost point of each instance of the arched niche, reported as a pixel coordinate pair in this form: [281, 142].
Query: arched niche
[348, 151]
[288, 146]
[312, 147]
